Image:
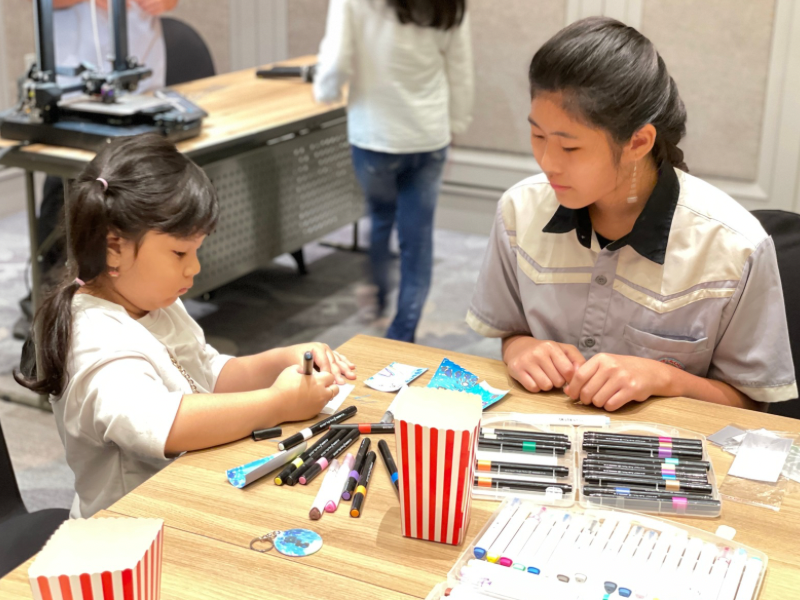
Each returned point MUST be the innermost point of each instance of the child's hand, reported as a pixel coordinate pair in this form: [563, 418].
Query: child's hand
[610, 380]
[541, 365]
[328, 361]
[304, 396]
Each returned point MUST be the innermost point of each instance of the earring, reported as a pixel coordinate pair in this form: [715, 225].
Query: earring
[113, 272]
[632, 198]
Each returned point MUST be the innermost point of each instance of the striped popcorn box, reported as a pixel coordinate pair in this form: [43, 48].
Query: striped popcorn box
[100, 559]
[436, 433]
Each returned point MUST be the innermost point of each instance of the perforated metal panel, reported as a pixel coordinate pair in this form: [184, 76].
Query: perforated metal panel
[275, 199]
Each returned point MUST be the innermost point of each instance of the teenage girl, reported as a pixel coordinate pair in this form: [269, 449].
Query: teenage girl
[132, 381]
[615, 274]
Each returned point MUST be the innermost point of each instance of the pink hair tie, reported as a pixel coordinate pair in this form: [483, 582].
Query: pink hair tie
[79, 282]
[104, 182]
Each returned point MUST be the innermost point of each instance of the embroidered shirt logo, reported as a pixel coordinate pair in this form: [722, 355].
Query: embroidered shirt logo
[673, 362]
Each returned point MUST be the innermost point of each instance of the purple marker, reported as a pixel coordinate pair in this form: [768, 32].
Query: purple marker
[337, 487]
[352, 480]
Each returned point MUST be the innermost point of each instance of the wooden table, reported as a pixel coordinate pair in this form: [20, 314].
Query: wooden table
[210, 523]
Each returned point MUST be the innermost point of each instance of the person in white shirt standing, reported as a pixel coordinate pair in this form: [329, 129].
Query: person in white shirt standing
[408, 64]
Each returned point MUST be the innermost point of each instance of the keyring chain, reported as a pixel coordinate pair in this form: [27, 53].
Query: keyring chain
[267, 537]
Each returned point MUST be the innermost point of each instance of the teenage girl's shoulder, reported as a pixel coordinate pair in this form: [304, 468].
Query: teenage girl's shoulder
[529, 203]
[710, 211]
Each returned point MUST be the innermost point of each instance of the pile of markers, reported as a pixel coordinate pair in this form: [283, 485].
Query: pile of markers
[346, 479]
[530, 551]
[664, 472]
[518, 460]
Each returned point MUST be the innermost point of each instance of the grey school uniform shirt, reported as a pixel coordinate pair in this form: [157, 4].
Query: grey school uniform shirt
[695, 284]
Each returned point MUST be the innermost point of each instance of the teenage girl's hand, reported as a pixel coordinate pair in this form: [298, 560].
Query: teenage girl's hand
[304, 396]
[328, 361]
[611, 380]
[541, 365]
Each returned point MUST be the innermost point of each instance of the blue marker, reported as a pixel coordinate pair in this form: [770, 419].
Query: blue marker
[389, 462]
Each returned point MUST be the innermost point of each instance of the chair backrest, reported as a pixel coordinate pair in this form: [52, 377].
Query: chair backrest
[187, 55]
[784, 227]
[10, 498]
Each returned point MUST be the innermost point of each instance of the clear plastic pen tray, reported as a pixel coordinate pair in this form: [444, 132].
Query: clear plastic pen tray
[515, 469]
[576, 560]
[665, 506]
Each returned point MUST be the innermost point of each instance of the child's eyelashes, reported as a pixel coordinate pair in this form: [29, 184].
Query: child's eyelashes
[179, 254]
[570, 149]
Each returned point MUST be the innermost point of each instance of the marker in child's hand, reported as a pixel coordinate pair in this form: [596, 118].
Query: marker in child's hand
[308, 363]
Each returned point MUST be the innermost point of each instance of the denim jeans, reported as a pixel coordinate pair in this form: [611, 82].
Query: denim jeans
[401, 188]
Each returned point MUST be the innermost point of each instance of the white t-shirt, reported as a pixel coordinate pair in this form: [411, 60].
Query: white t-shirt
[74, 42]
[411, 87]
[123, 393]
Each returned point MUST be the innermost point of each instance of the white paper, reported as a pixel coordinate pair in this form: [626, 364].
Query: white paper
[394, 377]
[761, 457]
[333, 405]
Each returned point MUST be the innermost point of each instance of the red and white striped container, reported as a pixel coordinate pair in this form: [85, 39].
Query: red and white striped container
[100, 559]
[436, 433]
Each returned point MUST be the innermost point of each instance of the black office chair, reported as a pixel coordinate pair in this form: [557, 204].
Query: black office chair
[784, 227]
[187, 55]
[22, 534]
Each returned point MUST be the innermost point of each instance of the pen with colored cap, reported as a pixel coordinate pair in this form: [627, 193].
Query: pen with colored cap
[633, 449]
[656, 482]
[318, 507]
[496, 528]
[641, 492]
[333, 451]
[341, 480]
[367, 427]
[386, 455]
[647, 460]
[494, 466]
[318, 451]
[514, 484]
[642, 438]
[317, 427]
[363, 484]
[355, 473]
[308, 363]
[266, 434]
[520, 446]
[281, 478]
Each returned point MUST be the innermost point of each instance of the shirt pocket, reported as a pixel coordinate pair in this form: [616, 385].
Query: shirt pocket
[691, 355]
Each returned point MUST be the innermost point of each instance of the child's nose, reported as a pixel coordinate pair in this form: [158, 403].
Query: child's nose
[193, 267]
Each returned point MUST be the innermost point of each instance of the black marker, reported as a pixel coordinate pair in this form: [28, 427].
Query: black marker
[363, 484]
[523, 447]
[265, 434]
[297, 462]
[318, 451]
[661, 467]
[634, 450]
[494, 466]
[648, 460]
[525, 435]
[628, 490]
[643, 438]
[308, 363]
[655, 472]
[308, 432]
[658, 483]
[366, 428]
[333, 450]
[513, 484]
[389, 462]
[355, 474]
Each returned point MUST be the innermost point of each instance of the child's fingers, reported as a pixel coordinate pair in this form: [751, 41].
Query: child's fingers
[336, 369]
[343, 358]
[321, 358]
[581, 378]
[603, 395]
[324, 378]
[334, 390]
[526, 381]
[543, 382]
[618, 400]
[553, 371]
[573, 354]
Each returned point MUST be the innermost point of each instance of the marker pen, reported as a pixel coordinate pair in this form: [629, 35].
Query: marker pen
[733, 576]
[521, 447]
[497, 548]
[290, 468]
[702, 570]
[363, 484]
[598, 572]
[497, 526]
[318, 507]
[634, 491]
[246, 474]
[355, 472]
[366, 427]
[664, 471]
[494, 455]
[663, 580]
[316, 428]
[540, 559]
[641, 439]
[520, 485]
[391, 467]
[489, 466]
[562, 571]
[388, 416]
[528, 552]
[680, 582]
[623, 449]
[512, 551]
[648, 573]
[594, 551]
[602, 460]
[341, 480]
[316, 452]
[265, 434]
[648, 460]
[654, 482]
[499, 582]
[752, 571]
[523, 433]
[333, 451]
[520, 436]
[713, 583]
[630, 577]
[564, 551]
[308, 363]
[618, 568]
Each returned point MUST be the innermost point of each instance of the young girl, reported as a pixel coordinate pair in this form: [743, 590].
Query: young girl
[614, 273]
[409, 66]
[130, 376]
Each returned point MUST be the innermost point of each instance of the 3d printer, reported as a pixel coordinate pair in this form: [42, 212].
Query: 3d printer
[88, 114]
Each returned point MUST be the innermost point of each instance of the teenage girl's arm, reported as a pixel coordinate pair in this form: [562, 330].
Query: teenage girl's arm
[259, 371]
[205, 420]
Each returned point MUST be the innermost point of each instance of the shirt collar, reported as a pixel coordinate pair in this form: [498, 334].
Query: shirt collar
[650, 232]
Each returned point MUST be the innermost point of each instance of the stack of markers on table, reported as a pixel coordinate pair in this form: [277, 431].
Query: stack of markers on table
[669, 472]
[522, 461]
[346, 479]
[600, 554]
